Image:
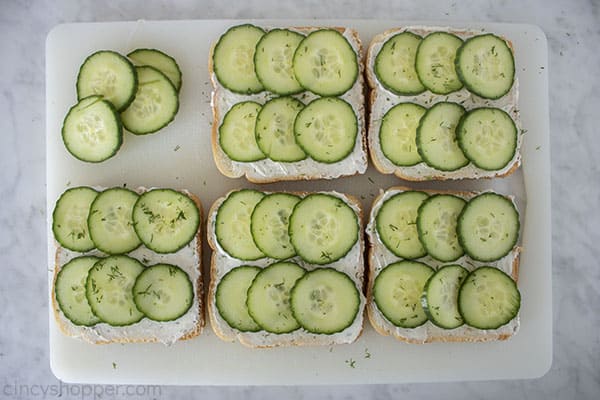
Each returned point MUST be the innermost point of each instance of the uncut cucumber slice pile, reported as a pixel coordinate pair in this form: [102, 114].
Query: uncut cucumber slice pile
[112, 93]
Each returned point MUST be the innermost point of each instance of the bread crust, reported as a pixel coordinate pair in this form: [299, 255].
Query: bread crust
[386, 328]
[296, 338]
[223, 162]
[72, 330]
[375, 90]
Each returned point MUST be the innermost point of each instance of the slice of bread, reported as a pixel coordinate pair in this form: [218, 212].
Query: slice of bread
[187, 326]
[379, 257]
[382, 100]
[352, 264]
[265, 171]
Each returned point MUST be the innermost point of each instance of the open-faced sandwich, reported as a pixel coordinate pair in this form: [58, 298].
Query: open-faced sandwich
[128, 265]
[287, 268]
[443, 266]
[443, 104]
[288, 104]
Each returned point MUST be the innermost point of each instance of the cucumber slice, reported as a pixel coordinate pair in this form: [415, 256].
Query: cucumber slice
[92, 130]
[487, 137]
[70, 216]
[269, 225]
[165, 220]
[231, 295]
[273, 61]
[110, 75]
[325, 63]
[326, 129]
[108, 289]
[110, 221]
[434, 62]
[69, 290]
[232, 225]
[395, 64]
[269, 297]
[323, 228]
[398, 132]
[159, 60]
[274, 130]
[325, 301]
[436, 224]
[397, 292]
[155, 105]
[440, 296]
[163, 292]
[396, 224]
[237, 133]
[488, 227]
[488, 298]
[486, 66]
[436, 137]
[233, 59]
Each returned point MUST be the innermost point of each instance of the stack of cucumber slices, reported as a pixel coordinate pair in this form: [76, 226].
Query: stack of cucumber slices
[118, 289]
[444, 228]
[297, 236]
[284, 63]
[139, 92]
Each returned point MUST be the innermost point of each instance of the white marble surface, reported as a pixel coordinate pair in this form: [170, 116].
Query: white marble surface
[573, 30]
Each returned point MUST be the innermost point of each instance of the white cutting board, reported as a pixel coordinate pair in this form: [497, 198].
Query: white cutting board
[180, 157]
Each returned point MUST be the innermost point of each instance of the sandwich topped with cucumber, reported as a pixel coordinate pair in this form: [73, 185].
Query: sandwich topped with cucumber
[443, 266]
[288, 103]
[286, 269]
[444, 104]
[128, 265]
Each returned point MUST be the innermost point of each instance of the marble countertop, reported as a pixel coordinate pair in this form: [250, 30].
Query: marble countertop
[573, 31]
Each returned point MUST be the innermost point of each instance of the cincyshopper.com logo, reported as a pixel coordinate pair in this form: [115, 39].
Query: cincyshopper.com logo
[64, 390]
